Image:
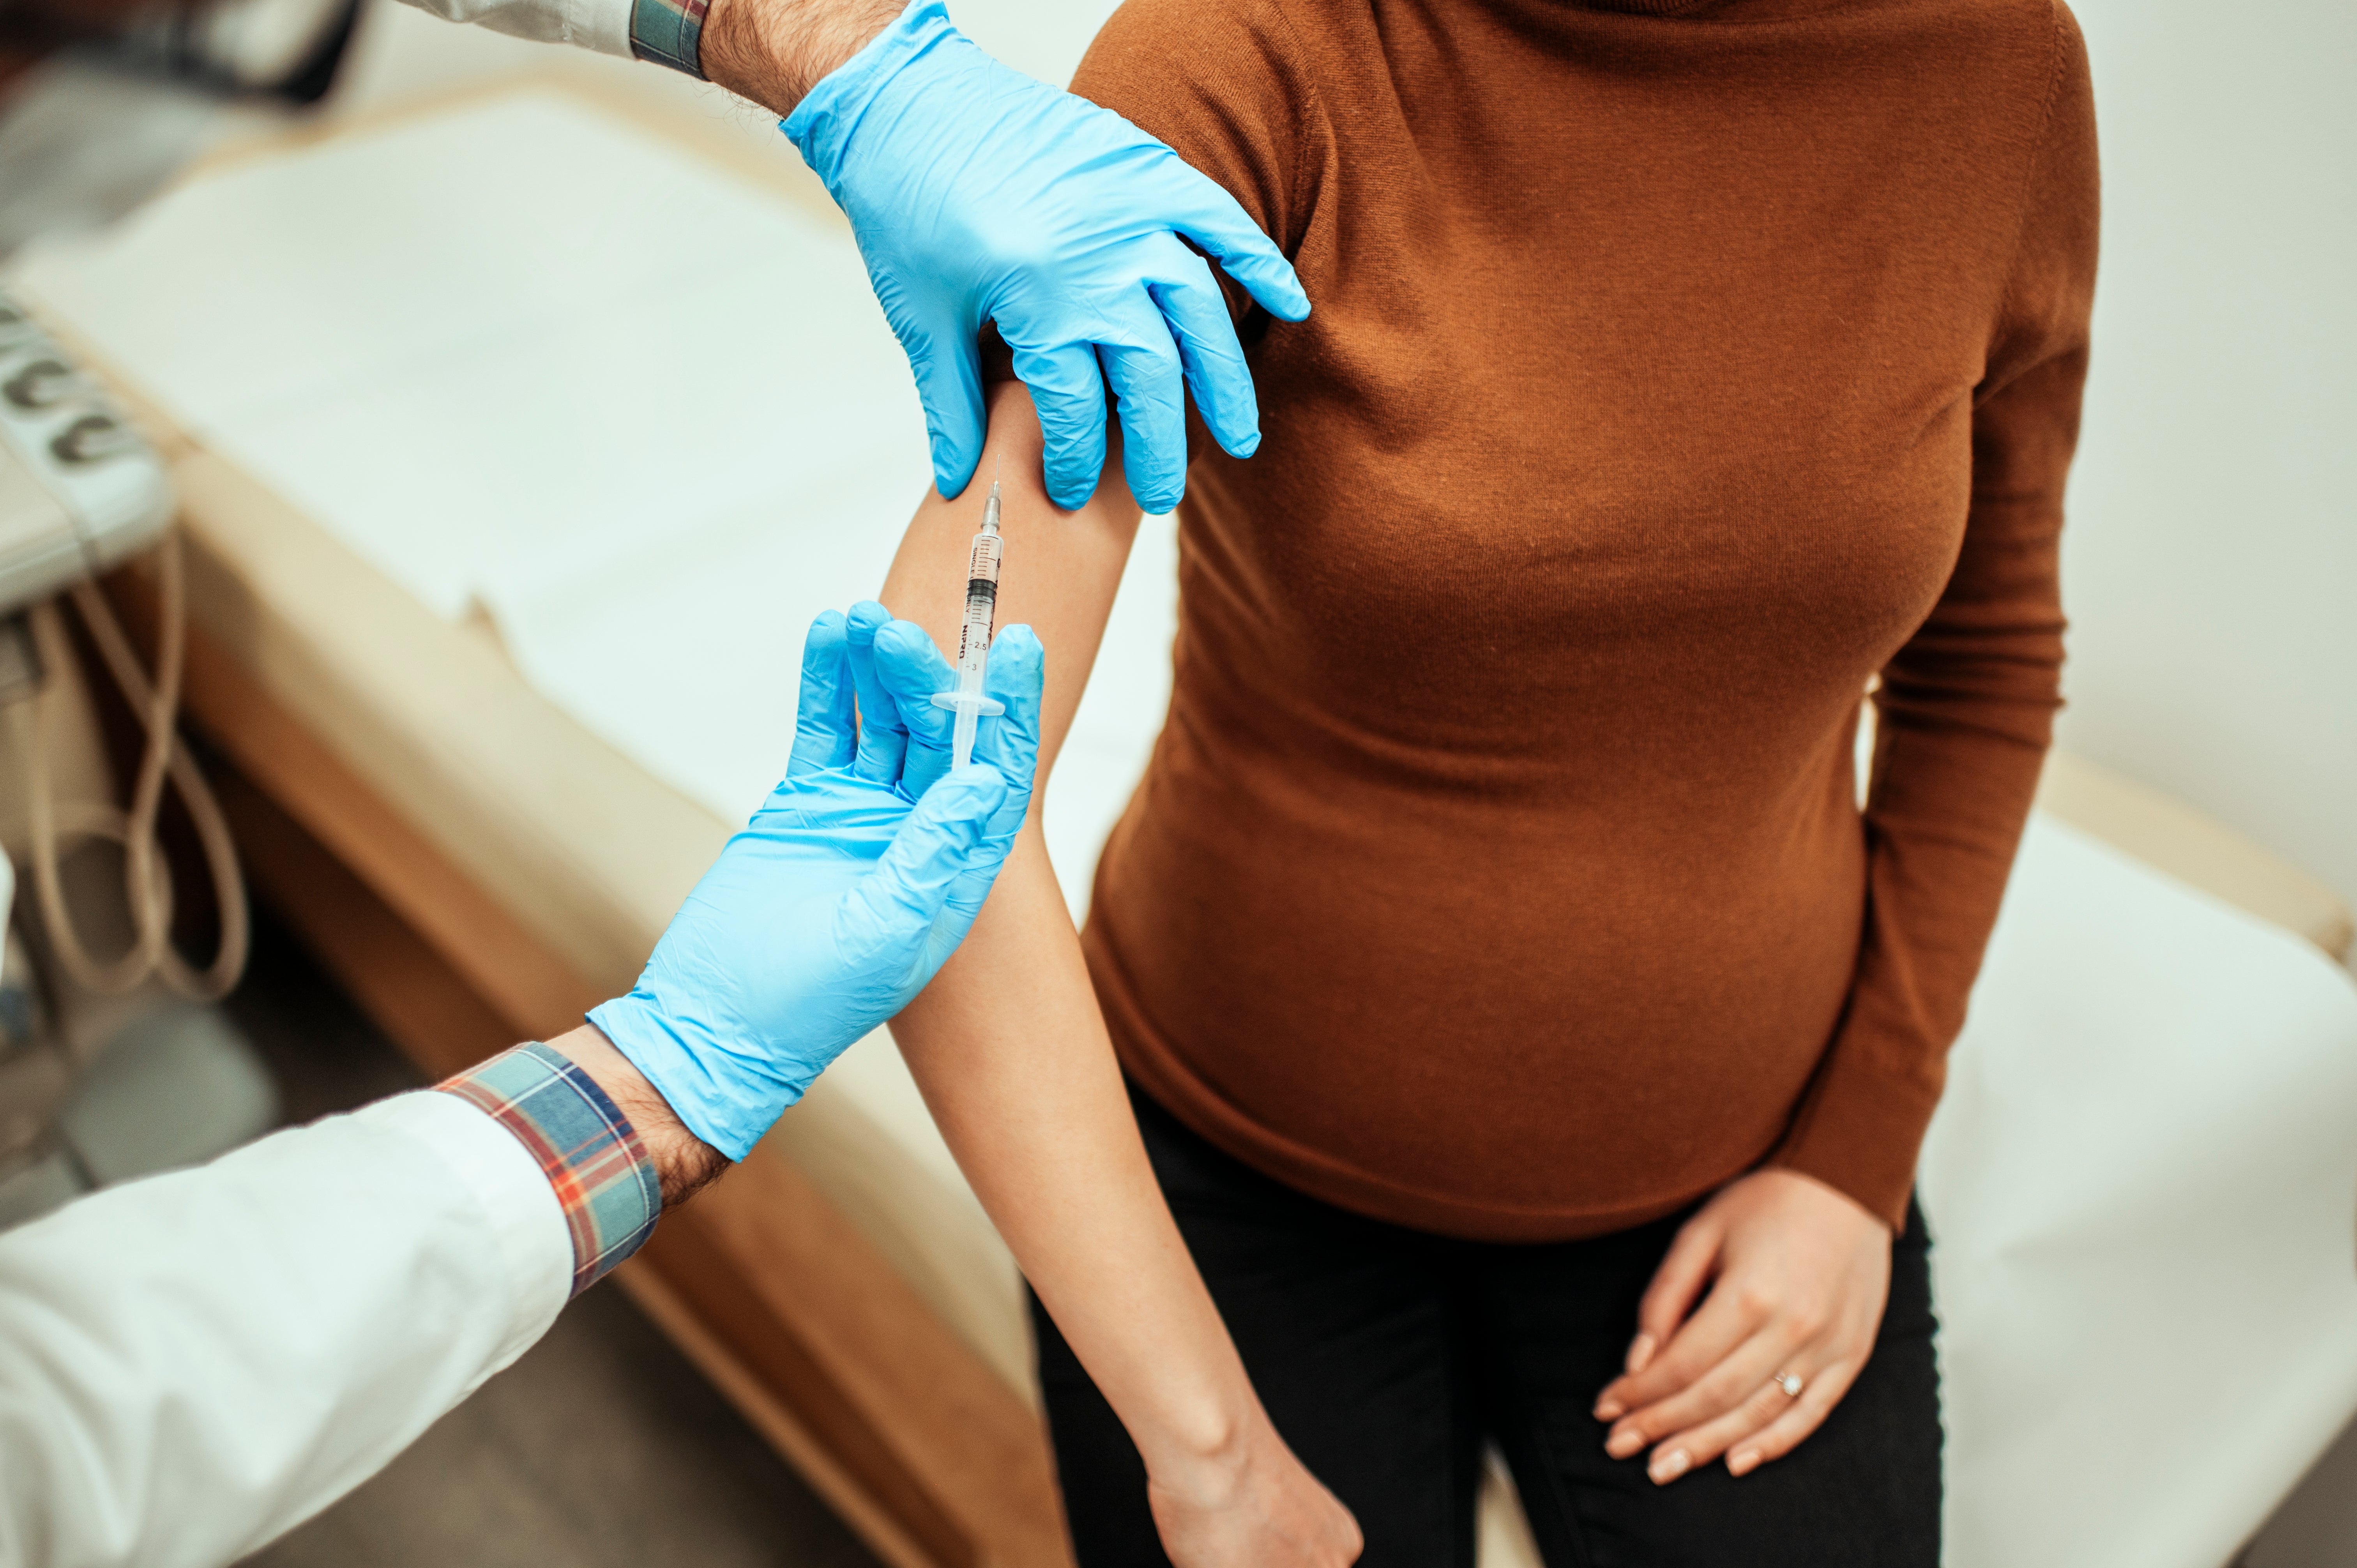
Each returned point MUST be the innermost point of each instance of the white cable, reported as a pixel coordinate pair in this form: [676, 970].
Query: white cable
[147, 882]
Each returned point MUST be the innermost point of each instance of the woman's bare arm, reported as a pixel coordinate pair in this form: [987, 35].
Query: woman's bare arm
[1012, 1056]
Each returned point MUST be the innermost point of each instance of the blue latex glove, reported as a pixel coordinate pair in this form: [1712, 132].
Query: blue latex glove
[978, 194]
[897, 662]
[835, 905]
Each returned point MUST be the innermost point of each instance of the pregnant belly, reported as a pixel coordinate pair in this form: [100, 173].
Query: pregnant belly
[1541, 1017]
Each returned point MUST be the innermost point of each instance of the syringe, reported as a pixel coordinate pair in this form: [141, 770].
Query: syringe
[973, 636]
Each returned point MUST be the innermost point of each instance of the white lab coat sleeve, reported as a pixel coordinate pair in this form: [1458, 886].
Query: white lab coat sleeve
[193, 1364]
[602, 25]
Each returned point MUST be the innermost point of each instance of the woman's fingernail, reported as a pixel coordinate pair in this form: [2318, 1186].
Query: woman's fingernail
[1610, 1408]
[1668, 1467]
[1623, 1445]
[1641, 1352]
[1741, 1460]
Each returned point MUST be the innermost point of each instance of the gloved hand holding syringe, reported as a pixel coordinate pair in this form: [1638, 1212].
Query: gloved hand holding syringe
[967, 707]
[974, 635]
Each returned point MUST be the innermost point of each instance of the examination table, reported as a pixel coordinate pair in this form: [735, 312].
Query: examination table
[473, 734]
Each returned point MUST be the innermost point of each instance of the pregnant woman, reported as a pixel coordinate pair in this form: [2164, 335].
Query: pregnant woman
[1528, 1030]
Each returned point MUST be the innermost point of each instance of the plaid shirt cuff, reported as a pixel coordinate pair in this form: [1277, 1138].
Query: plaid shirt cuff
[586, 1147]
[669, 32]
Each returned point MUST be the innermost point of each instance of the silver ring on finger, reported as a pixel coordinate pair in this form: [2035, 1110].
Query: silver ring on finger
[1789, 1382]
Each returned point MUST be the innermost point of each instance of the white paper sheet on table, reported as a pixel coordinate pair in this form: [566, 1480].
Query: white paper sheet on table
[2142, 1186]
[649, 415]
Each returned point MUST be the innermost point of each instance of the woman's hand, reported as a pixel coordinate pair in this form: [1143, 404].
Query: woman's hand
[1798, 1274]
[1254, 1503]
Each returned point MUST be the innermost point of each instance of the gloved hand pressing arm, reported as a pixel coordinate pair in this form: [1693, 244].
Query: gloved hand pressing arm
[836, 903]
[978, 194]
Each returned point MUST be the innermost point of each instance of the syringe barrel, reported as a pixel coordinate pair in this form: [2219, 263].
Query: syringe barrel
[981, 594]
[974, 631]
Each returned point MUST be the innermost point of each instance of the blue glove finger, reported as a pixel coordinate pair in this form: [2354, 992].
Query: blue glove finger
[1203, 211]
[1069, 394]
[883, 738]
[1011, 743]
[948, 366]
[824, 735]
[1142, 365]
[942, 841]
[1216, 372]
[977, 193]
[911, 669]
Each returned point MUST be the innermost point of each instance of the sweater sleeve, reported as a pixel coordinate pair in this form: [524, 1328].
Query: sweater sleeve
[1965, 707]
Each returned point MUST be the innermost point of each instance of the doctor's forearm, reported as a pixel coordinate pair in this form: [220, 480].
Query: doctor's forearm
[774, 51]
[683, 1163]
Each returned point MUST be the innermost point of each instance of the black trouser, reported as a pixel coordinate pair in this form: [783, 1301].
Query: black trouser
[1386, 1356]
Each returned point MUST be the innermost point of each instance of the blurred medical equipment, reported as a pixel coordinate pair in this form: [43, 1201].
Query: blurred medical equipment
[103, 1073]
[80, 492]
[283, 51]
[974, 635]
[1044, 175]
[121, 1076]
[127, 95]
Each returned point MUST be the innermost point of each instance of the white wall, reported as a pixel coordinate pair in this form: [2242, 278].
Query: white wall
[2211, 556]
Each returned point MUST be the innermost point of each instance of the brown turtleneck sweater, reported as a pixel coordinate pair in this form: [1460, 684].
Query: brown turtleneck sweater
[1672, 376]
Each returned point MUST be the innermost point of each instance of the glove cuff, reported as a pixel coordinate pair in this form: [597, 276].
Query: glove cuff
[823, 123]
[729, 1113]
